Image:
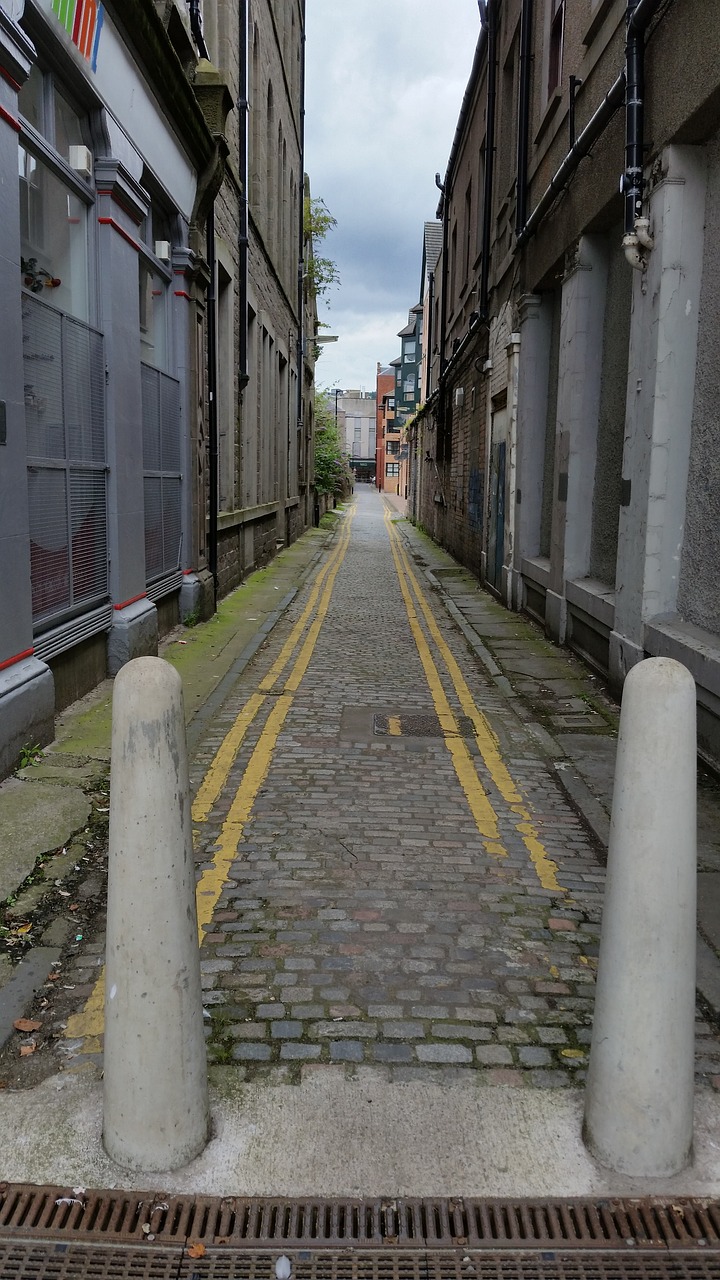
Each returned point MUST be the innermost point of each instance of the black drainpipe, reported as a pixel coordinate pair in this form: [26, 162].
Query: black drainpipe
[301, 253]
[634, 120]
[212, 406]
[489, 158]
[524, 114]
[640, 15]
[244, 105]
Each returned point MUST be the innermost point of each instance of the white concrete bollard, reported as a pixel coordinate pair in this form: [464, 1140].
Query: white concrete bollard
[156, 1113]
[639, 1094]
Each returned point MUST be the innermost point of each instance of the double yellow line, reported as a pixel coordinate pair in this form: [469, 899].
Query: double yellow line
[487, 743]
[211, 882]
[88, 1024]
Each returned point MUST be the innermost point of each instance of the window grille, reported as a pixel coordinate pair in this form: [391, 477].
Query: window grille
[161, 472]
[63, 368]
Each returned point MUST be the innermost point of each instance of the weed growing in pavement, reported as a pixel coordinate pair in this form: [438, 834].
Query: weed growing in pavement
[30, 755]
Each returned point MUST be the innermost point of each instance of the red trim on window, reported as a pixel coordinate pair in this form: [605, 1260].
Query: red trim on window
[180, 293]
[5, 115]
[6, 76]
[110, 222]
[134, 600]
[9, 662]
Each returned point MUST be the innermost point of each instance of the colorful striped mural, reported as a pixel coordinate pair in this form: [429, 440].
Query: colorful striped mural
[82, 19]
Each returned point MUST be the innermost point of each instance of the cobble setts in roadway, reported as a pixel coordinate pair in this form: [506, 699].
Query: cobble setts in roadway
[390, 875]
[363, 920]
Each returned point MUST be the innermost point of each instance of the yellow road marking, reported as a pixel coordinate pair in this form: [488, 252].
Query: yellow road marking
[488, 745]
[480, 807]
[219, 768]
[89, 1022]
[212, 880]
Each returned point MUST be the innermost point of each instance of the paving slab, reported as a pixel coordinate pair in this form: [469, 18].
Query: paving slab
[35, 818]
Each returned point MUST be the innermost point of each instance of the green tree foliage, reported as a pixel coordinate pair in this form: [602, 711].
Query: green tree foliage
[321, 273]
[332, 473]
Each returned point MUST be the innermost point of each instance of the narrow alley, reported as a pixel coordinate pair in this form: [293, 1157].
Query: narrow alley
[411, 888]
[390, 871]
[401, 798]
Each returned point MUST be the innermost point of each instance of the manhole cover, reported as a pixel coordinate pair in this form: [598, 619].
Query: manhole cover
[419, 725]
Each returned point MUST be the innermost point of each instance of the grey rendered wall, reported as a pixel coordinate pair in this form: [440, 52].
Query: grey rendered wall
[699, 589]
[611, 422]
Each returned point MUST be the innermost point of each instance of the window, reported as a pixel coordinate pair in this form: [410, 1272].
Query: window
[63, 359]
[54, 237]
[392, 468]
[153, 316]
[409, 351]
[64, 374]
[162, 479]
[555, 45]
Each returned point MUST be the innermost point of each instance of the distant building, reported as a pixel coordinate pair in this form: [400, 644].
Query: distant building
[357, 424]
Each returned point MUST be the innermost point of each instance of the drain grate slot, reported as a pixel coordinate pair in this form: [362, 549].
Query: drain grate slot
[124, 1217]
[45, 1260]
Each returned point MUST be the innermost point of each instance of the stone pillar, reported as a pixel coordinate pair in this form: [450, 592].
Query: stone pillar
[27, 693]
[661, 387]
[578, 406]
[532, 395]
[190, 282]
[121, 206]
[512, 352]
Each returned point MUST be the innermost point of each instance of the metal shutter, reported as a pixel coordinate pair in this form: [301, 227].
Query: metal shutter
[162, 473]
[64, 375]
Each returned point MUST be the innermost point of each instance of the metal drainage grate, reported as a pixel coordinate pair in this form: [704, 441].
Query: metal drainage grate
[111, 1217]
[47, 1261]
[419, 726]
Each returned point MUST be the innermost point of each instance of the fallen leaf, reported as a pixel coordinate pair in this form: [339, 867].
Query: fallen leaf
[26, 1024]
[24, 928]
[53, 977]
[27, 1049]
[196, 1249]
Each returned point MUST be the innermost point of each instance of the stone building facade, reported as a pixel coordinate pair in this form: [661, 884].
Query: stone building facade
[568, 452]
[154, 369]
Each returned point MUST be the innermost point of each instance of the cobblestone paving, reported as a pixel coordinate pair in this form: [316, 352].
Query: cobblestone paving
[363, 924]
[363, 920]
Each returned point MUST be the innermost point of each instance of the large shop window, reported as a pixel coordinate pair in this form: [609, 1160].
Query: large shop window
[65, 420]
[63, 361]
[162, 473]
[54, 237]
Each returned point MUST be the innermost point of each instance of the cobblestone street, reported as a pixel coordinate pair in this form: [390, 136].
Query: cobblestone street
[367, 918]
[390, 872]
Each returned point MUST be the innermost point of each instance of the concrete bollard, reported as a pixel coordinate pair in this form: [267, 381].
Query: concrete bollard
[155, 1112]
[639, 1094]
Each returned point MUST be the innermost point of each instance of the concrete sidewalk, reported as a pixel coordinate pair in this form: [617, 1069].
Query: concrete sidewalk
[338, 1132]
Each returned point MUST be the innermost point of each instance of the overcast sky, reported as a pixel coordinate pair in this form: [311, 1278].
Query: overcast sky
[385, 82]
